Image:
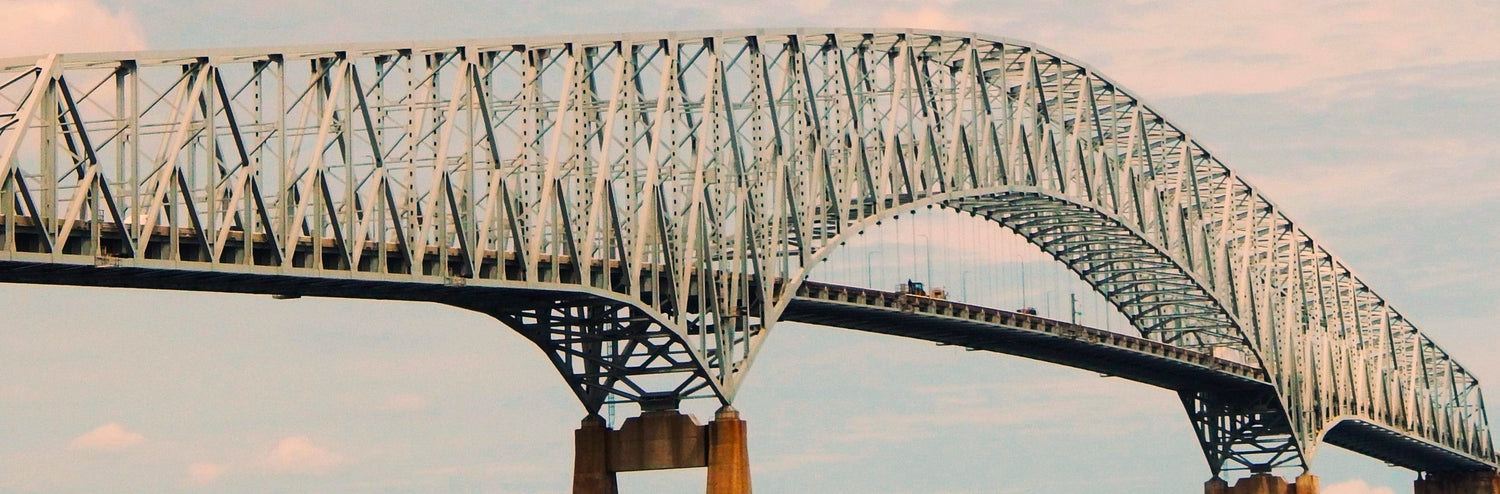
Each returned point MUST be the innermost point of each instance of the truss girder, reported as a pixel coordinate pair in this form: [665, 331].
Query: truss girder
[611, 350]
[694, 177]
[1247, 430]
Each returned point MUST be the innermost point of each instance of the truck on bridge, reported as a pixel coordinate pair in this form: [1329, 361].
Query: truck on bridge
[916, 288]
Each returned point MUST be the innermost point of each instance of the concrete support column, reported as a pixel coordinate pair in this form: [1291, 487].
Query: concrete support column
[1458, 483]
[1263, 483]
[662, 439]
[1307, 483]
[591, 472]
[728, 454]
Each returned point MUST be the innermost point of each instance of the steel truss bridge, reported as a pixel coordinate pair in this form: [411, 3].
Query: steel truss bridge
[645, 208]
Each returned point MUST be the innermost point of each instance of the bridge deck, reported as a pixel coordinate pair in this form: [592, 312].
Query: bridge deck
[1137, 359]
[942, 321]
[982, 328]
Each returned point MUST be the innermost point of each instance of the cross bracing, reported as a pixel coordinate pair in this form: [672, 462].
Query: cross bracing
[646, 206]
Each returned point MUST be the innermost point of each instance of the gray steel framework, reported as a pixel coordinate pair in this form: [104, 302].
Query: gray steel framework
[664, 195]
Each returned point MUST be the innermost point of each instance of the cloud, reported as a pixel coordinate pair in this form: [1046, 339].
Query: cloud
[925, 17]
[1183, 48]
[1172, 47]
[441, 471]
[56, 26]
[107, 437]
[511, 470]
[17, 393]
[299, 455]
[795, 461]
[1356, 486]
[405, 402]
[204, 473]
[1059, 406]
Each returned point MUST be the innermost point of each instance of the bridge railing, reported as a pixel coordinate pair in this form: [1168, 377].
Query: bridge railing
[1062, 329]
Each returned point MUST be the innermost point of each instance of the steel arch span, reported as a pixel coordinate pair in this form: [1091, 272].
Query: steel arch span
[644, 207]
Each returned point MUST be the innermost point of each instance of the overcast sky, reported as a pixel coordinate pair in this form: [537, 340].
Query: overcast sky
[1372, 123]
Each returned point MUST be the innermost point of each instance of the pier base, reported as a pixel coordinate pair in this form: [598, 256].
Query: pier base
[1263, 483]
[1458, 483]
[658, 440]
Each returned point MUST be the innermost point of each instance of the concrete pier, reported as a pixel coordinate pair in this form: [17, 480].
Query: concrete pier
[1458, 483]
[658, 440]
[728, 454]
[591, 472]
[1263, 483]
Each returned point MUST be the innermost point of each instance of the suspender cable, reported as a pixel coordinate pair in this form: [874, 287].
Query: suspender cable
[926, 237]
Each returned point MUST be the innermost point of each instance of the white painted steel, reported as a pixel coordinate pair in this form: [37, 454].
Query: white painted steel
[688, 182]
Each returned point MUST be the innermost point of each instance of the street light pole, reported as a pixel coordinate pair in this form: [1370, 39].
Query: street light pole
[869, 270]
[963, 286]
[928, 240]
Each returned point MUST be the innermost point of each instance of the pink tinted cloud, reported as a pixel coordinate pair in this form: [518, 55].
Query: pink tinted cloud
[299, 455]
[204, 473]
[1184, 48]
[1356, 487]
[405, 402]
[925, 17]
[107, 437]
[60, 26]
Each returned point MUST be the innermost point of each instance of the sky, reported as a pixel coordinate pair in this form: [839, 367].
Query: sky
[1371, 123]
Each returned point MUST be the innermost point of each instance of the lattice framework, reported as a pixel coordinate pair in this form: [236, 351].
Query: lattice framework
[690, 181]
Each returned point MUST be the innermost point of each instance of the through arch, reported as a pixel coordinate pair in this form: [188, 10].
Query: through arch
[1157, 292]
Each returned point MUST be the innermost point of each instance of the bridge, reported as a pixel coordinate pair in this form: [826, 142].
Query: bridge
[646, 207]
